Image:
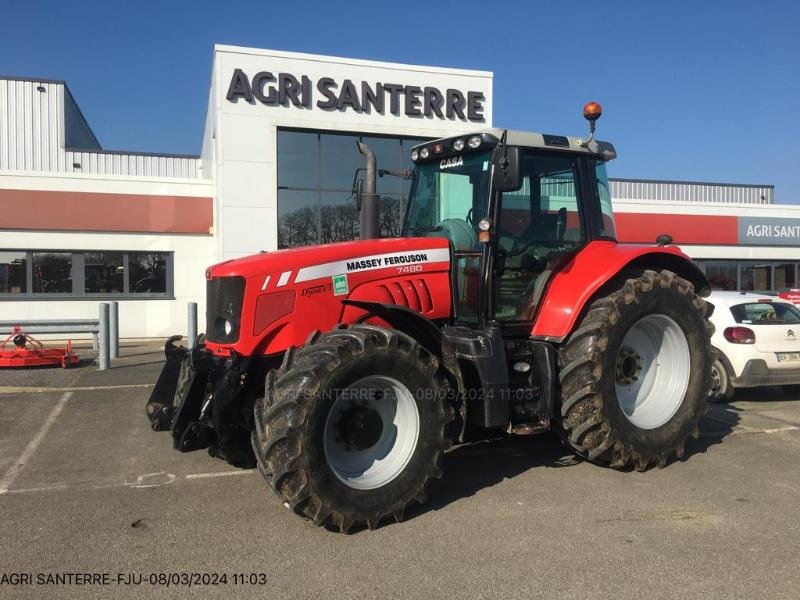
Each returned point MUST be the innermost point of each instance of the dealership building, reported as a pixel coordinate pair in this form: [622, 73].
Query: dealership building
[81, 224]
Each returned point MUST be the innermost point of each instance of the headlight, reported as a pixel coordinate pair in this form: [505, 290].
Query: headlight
[228, 327]
[414, 155]
[475, 141]
[424, 153]
[458, 145]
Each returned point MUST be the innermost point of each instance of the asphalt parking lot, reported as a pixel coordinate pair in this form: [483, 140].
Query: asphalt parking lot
[86, 487]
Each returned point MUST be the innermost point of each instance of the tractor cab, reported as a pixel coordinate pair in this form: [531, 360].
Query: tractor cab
[514, 207]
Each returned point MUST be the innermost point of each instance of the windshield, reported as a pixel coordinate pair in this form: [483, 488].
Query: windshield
[448, 197]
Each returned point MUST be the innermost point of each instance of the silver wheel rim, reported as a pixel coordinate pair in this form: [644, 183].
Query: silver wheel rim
[716, 380]
[371, 432]
[652, 371]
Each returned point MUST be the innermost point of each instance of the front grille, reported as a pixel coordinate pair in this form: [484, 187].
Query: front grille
[224, 297]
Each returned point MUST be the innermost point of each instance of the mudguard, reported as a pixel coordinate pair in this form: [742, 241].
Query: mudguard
[574, 286]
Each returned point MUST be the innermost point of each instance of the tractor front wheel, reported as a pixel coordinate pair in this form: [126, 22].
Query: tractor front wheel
[635, 373]
[353, 426]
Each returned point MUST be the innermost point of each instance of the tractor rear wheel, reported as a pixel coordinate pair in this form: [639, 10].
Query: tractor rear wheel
[352, 426]
[635, 373]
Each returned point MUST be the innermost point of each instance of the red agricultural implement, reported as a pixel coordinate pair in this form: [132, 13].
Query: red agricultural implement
[27, 351]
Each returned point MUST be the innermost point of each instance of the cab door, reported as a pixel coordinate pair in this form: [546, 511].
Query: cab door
[538, 226]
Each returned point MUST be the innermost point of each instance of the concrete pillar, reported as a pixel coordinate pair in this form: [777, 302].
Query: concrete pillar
[104, 360]
[192, 329]
[113, 329]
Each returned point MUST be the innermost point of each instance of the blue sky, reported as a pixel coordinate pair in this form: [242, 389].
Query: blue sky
[694, 90]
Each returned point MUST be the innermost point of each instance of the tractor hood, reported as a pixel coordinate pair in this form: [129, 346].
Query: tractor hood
[309, 263]
[267, 302]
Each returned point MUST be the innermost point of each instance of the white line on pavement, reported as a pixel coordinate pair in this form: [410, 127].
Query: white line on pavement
[26, 455]
[219, 474]
[87, 388]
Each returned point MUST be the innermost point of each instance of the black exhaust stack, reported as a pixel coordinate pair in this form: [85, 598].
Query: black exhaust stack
[370, 201]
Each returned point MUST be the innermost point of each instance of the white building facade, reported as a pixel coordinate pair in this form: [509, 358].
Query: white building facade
[80, 224]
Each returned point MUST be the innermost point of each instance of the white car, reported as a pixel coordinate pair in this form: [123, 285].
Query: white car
[758, 340]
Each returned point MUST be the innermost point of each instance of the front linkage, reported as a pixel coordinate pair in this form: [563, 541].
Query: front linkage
[201, 399]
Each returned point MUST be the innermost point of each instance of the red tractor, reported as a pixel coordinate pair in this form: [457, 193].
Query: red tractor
[345, 371]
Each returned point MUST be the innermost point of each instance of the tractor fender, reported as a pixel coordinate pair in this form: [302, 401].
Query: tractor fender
[575, 286]
[403, 319]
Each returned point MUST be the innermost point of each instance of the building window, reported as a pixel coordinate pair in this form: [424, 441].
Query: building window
[52, 272]
[103, 273]
[13, 272]
[751, 276]
[148, 272]
[315, 182]
[39, 274]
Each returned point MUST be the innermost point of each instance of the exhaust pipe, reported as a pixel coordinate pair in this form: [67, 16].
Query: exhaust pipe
[370, 201]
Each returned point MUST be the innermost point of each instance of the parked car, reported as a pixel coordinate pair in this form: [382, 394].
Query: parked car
[758, 340]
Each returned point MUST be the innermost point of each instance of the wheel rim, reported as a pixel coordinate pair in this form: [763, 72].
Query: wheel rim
[371, 432]
[716, 380]
[652, 371]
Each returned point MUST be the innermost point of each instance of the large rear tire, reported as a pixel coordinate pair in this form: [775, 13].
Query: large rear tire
[353, 426]
[635, 373]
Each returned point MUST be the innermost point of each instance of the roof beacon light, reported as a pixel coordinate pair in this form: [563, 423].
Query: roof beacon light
[591, 112]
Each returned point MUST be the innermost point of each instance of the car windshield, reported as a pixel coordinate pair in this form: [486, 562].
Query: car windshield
[765, 313]
[447, 199]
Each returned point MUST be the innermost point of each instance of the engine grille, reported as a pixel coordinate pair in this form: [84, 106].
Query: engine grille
[224, 297]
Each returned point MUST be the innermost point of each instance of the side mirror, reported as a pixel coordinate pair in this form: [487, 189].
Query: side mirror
[507, 175]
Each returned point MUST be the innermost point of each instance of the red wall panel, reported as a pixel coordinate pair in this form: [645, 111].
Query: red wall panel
[80, 211]
[684, 229]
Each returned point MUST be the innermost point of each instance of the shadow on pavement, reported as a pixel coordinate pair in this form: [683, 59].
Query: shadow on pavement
[473, 467]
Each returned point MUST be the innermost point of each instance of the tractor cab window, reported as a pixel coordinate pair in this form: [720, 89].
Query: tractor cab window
[448, 198]
[537, 224]
[607, 228]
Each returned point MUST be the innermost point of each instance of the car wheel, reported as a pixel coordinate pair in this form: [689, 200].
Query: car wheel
[721, 389]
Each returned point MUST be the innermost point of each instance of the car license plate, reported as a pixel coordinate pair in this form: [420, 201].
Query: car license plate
[788, 356]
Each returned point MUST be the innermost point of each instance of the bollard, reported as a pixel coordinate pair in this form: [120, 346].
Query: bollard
[103, 359]
[192, 333]
[113, 329]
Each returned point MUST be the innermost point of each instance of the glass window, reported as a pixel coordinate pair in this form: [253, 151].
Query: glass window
[785, 276]
[607, 227]
[537, 222]
[756, 277]
[765, 313]
[148, 273]
[52, 272]
[104, 273]
[339, 159]
[315, 184]
[722, 275]
[298, 164]
[338, 217]
[13, 272]
[298, 218]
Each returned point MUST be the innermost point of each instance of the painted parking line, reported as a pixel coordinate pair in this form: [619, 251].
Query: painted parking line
[17, 466]
[52, 390]
[148, 480]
